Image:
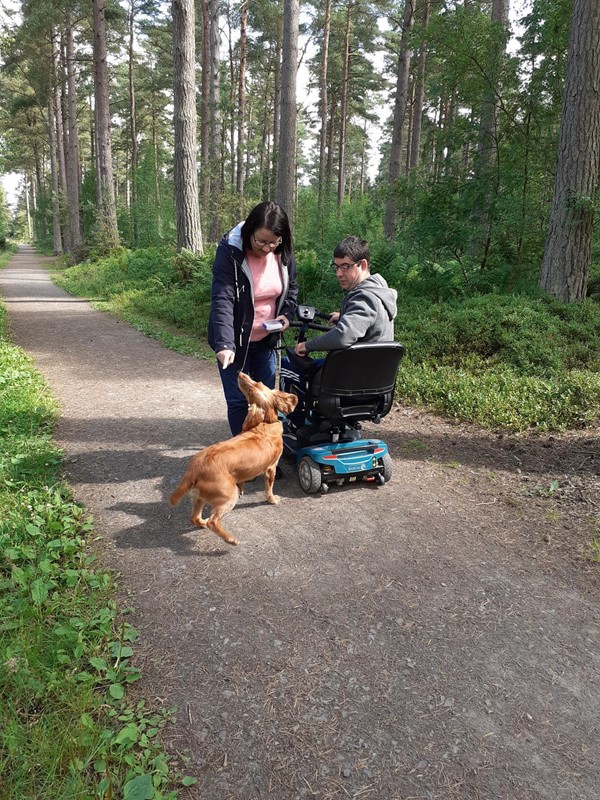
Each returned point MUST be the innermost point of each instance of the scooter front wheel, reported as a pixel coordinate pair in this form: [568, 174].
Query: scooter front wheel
[309, 475]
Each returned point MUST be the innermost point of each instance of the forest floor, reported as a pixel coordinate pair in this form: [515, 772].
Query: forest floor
[433, 638]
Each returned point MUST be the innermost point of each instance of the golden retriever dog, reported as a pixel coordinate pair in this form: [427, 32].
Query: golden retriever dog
[216, 475]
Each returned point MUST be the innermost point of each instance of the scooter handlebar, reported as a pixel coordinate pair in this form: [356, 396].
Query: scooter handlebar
[313, 326]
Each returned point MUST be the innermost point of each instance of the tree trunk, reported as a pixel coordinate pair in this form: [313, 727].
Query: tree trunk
[133, 126]
[107, 223]
[286, 164]
[391, 212]
[60, 150]
[323, 106]
[57, 236]
[216, 186]
[276, 114]
[486, 184]
[73, 165]
[415, 144]
[185, 167]
[205, 108]
[239, 181]
[344, 108]
[567, 254]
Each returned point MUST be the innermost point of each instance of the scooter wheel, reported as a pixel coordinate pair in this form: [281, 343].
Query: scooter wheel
[387, 468]
[309, 475]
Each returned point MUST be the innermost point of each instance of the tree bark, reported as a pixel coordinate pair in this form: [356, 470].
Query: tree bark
[185, 167]
[133, 124]
[395, 166]
[286, 164]
[239, 180]
[565, 265]
[486, 184]
[107, 223]
[323, 104]
[344, 108]
[205, 108]
[57, 235]
[216, 187]
[60, 150]
[73, 165]
[415, 144]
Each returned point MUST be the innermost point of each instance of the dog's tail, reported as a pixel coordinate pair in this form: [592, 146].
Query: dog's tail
[182, 489]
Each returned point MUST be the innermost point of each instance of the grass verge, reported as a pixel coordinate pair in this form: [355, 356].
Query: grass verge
[508, 362]
[70, 726]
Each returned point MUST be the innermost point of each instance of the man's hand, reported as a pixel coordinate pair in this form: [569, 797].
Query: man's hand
[334, 317]
[225, 358]
[300, 349]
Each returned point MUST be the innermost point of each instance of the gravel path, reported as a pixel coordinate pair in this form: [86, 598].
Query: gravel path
[425, 639]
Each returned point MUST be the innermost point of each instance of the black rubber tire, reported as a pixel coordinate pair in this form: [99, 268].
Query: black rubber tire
[309, 475]
[386, 460]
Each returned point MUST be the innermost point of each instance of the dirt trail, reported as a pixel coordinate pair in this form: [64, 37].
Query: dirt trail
[437, 637]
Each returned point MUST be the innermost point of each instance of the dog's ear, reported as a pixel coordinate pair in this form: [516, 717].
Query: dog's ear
[254, 417]
[284, 402]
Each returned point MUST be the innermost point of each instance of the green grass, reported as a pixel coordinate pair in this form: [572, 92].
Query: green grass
[506, 361]
[70, 726]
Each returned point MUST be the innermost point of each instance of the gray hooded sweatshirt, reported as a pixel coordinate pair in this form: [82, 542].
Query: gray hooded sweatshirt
[367, 315]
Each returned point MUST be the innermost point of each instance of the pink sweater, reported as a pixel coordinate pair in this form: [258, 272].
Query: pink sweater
[268, 286]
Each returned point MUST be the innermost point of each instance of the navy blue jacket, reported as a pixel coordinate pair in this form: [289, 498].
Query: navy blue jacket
[232, 298]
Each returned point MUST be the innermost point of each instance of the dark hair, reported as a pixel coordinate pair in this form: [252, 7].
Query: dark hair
[354, 248]
[271, 216]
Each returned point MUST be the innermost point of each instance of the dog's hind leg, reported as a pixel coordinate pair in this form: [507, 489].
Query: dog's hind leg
[197, 509]
[217, 514]
[269, 481]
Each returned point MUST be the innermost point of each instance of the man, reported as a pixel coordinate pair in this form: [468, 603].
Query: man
[368, 309]
[366, 314]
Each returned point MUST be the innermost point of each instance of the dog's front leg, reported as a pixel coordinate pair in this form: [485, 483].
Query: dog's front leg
[269, 481]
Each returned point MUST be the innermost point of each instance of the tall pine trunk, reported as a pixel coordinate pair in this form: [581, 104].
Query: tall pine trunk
[133, 125]
[417, 108]
[216, 185]
[286, 164]
[239, 177]
[567, 254]
[107, 233]
[185, 166]
[73, 164]
[323, 106]
[395, 165]
[344, 108]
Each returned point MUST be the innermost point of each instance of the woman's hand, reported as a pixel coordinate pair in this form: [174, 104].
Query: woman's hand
[225, 358]
[284, 321]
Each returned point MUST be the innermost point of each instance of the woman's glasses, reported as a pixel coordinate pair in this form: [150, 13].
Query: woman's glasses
[271, 245]
[343, 267]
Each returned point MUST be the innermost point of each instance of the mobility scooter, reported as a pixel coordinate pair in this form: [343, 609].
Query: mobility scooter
[336, 394]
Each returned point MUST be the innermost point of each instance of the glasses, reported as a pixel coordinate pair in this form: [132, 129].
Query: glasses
[271, 245]
[344, 267]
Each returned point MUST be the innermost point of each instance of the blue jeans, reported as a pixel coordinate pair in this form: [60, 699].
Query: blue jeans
[260, 365]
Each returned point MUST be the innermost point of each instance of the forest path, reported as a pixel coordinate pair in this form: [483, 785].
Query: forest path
[437, 637]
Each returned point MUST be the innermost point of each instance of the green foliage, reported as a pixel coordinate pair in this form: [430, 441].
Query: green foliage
[68, 727]
[499, 398]
[474, 351]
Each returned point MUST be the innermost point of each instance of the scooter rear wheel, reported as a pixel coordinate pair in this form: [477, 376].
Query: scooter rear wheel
[309, 475]
[387, 467]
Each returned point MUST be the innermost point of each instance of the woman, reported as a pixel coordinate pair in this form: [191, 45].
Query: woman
[254, 281]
